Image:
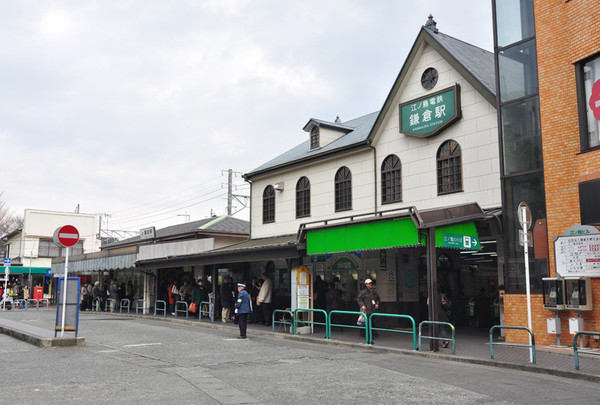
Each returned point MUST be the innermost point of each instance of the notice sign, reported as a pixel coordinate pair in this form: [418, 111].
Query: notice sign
[430, 115]
[578, 255]
[452, 240]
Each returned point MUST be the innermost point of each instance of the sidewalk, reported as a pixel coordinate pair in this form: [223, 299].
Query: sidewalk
[472, 345]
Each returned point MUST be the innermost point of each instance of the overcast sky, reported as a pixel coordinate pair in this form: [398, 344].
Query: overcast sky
[135, 108]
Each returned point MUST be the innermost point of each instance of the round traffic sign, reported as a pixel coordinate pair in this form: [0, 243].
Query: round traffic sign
[66, 236]
[524, 207]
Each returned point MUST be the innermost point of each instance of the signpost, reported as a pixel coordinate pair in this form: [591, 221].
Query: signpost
[65, 236]
[524, 216]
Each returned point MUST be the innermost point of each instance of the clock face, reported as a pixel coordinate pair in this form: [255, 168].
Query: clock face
[429, 78]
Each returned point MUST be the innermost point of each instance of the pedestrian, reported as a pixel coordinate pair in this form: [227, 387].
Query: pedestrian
[227, 299]
[264, 298]
[368, 301]
[443, 309]
[113, 292]
[97, 295]
[84, 296]
[243, 307]
[173, 296]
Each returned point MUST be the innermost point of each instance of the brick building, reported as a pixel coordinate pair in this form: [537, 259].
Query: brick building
[548, 69]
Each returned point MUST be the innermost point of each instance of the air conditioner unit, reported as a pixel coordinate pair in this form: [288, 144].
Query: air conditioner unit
[278, 186]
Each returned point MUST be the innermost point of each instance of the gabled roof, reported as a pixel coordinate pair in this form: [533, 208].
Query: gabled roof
[476, 65]
[361, 127]
[223, 225]
[326, 124]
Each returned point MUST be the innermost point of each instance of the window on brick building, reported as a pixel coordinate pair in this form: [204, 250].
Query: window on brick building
[588, 83]
[589, 195]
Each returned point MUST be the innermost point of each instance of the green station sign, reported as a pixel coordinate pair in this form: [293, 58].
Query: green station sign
[428, 116]
[452, 240]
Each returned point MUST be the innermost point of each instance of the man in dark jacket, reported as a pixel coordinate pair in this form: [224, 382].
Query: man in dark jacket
[227, 299]
[242, 309]
[368, 300]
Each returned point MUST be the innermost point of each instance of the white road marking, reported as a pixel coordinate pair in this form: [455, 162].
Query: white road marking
[143, 344]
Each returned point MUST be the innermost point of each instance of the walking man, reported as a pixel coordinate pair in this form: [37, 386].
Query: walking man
[368, 301]
[242, 309]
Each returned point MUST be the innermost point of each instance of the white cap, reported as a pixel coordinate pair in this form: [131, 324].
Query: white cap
[368, 281]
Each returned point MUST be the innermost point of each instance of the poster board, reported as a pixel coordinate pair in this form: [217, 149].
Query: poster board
[72, 305]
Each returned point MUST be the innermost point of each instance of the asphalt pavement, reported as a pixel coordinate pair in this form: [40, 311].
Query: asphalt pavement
[157, 360]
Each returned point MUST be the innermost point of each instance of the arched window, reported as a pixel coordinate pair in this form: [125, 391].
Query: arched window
[268, 204]
[343, 189]
[391, 180]
[303, 197]
[449, 168]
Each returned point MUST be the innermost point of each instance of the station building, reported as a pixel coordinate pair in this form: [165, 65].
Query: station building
[408, 196]
[548, 81]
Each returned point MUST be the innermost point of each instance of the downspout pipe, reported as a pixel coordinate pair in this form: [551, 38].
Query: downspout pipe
[374, 177]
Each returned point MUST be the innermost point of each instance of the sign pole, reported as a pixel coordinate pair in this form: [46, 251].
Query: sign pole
[64, 302]
[525, 226]
[6, 274]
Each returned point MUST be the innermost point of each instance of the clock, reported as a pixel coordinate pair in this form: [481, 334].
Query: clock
[429, 78]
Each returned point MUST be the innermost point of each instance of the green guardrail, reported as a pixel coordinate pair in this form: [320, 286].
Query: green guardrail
[413, 332]
[320, 311]
[124, 300]
[531, 346]
[209, 312]
[185, 311]
[341, 325]
[282, 320]
[439, 338]
[160, 306]
[576, 350]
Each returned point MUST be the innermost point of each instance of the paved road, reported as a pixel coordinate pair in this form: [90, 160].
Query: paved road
[129, 360]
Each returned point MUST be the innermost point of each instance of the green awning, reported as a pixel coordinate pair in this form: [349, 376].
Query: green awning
[394, 233]
[25, 270]
[373, 235]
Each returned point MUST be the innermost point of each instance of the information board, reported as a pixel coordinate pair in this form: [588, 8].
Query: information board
[578, 255]
[72, 305]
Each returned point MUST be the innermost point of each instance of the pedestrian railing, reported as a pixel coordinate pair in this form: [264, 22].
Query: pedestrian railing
[177, 310]
[96, 304]
[20, 304]
[209, 312]
[160, 306]
[531, 346]
[453, 339]
[364, 327]
[126, 302]
[398, 316]
[576, 350]
[140, 308]
[106, 304]
[31, 300]
[320, 311]
[282, 320]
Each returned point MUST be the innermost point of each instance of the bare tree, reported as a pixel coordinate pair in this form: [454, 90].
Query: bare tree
[8, 221]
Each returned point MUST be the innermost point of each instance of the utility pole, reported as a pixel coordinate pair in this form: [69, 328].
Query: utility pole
[229, 190]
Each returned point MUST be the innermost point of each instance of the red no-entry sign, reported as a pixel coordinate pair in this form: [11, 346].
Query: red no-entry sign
[66, 236]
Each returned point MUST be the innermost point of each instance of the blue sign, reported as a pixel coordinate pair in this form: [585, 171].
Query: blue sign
[7, 260]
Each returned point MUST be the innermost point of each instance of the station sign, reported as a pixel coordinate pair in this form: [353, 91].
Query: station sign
[428, 116]
[452, 240]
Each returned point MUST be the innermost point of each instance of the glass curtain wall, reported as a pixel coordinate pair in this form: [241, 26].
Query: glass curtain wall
[520, 134]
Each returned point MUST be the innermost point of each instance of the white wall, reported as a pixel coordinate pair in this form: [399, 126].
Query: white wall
[476, 133]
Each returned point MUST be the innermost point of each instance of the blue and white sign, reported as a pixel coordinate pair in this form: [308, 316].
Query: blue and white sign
[7, 261]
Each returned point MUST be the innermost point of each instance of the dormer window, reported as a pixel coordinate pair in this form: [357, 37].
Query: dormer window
[314, 138]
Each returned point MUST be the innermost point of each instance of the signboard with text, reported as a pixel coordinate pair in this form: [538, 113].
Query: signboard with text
[452, 240]
[578, 255]
[430, 115]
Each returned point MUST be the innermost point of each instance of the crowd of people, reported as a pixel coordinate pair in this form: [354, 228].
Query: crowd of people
[107, 291]
[195, 292]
